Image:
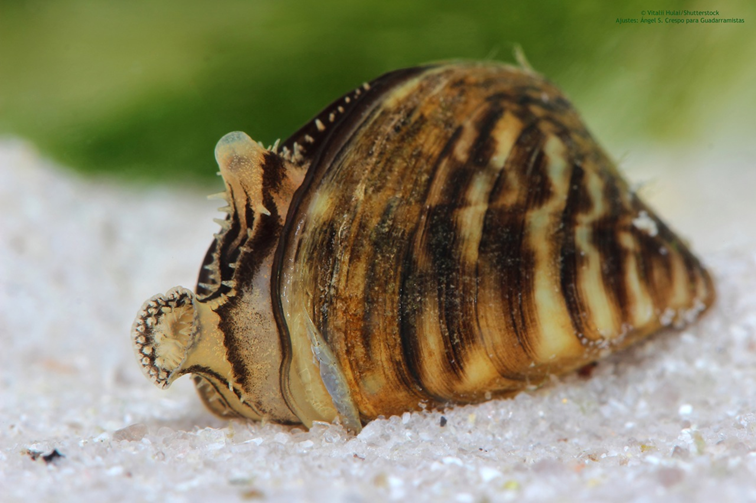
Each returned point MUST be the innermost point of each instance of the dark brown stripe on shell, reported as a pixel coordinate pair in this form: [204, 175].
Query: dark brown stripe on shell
[691, 263]
[612, 254]
[539, 182]
[504, 250]
[388, 241]
[655, 265]
[455, 280]
[442, 247]
[570, 259]
[412, 285]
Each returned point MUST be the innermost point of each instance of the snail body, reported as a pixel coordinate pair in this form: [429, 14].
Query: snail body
[445, 234]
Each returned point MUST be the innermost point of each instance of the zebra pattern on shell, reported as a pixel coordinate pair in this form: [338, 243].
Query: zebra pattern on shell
[445, 234]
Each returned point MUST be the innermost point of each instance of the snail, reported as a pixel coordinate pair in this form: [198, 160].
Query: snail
[445, 234]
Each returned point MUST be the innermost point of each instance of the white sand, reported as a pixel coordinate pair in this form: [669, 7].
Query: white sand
[673, 419]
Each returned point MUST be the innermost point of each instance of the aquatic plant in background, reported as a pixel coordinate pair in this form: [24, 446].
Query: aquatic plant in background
[143, 90]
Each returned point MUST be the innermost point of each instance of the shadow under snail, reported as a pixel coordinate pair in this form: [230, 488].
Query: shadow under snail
[445, 234]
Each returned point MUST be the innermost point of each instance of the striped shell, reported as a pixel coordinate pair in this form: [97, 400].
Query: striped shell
[445, 234]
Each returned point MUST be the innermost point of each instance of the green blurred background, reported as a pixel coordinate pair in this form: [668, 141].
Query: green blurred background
[142, 90]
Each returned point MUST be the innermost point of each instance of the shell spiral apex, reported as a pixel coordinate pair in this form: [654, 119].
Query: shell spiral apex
[444, 234]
